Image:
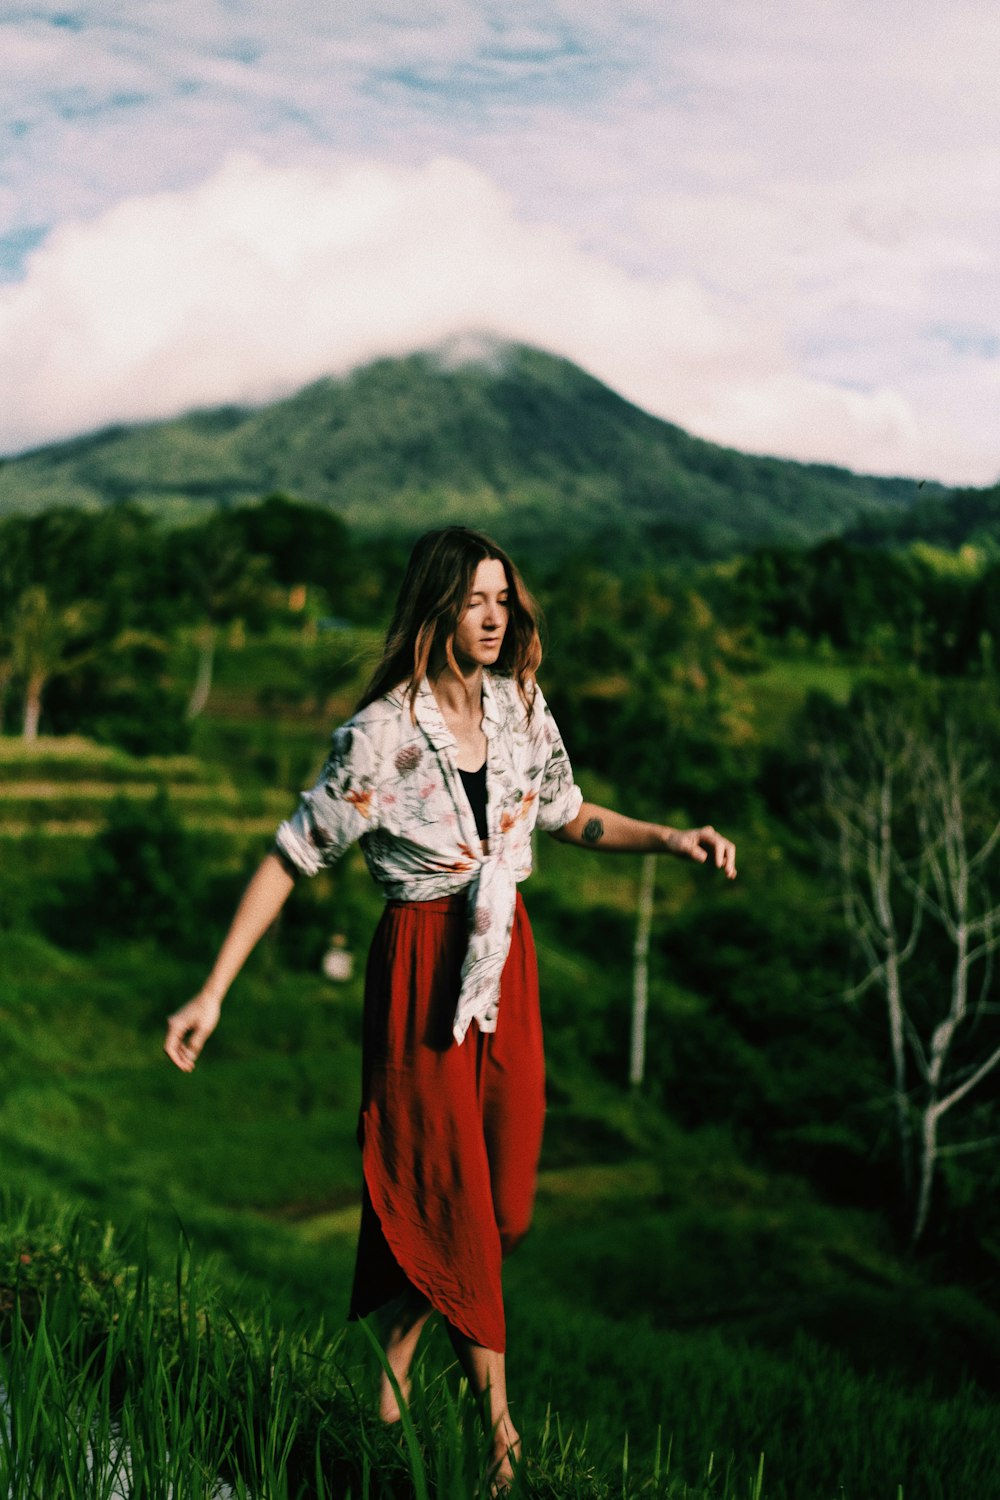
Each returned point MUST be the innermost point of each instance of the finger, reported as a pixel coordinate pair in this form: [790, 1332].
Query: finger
[174, 1044]
[197, 1040]
[178, 1054]
[174, 1036]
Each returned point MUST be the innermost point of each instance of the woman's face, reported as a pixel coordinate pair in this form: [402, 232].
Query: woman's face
[483, 622]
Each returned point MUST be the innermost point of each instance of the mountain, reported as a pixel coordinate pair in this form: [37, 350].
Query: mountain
[522, 443]
[963, 518]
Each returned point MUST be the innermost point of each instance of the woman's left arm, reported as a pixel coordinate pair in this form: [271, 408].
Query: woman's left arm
[603, 829]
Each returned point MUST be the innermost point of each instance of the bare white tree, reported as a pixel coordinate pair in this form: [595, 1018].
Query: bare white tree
[908, 850]
[640, 970]
[204, 638]
[959, 896]
[863, 785]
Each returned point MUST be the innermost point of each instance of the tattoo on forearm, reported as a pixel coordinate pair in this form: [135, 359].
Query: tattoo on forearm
[593, 832]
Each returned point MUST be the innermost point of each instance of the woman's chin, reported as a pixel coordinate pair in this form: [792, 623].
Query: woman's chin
[484, 656]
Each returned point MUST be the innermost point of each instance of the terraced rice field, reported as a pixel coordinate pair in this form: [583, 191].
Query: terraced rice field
[63, 788]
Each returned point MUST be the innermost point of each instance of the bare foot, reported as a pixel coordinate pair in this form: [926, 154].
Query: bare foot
[411, 1312]
[388, 1405]
[506, 1457]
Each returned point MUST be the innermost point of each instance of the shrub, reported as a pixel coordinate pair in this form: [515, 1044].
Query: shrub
[144, 877]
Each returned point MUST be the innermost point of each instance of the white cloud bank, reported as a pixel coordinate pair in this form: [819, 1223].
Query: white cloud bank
[264, 277]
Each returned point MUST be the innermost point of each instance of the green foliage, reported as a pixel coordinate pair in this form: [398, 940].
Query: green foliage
[119, 1376]
[112, 670]
[304, 544]
[749, 1275]
[145, 878]
[904, 608]
[126, 698]
[964, 518]
[898, 787]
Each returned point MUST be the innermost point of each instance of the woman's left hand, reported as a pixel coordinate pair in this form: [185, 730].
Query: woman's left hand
[704, 845]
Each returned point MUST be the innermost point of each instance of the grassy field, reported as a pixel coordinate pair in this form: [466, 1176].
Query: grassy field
[778, 690]
[677, 1295]
[667, 1287]
[123, 1383]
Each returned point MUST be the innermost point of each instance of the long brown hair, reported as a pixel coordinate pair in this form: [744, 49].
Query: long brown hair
[431, 599]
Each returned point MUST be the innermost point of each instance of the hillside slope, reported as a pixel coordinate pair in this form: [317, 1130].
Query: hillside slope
[963, 518]
[525, 444]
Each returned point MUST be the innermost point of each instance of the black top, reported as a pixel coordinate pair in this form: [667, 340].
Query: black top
[475, 789]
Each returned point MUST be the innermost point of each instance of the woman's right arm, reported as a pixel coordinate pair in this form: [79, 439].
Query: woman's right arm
[189, 1028]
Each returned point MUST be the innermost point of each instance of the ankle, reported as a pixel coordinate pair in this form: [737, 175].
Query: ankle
[505, 1457]
[506, 1438]
[389, 1402]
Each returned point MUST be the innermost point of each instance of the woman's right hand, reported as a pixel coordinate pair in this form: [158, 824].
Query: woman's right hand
[189, 1028]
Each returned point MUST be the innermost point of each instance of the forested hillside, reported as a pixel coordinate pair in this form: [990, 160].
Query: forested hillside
[964, 518]
[526, 444]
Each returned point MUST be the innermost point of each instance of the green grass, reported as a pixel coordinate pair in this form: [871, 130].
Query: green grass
[71, 757]
[63, 788]
[780, 688]
[117, 1383]
[675, 1297]
[122, 1380]
[668, 1286]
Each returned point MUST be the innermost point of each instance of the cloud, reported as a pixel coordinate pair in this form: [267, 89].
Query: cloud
[790, 212]
[261, 278]
[132, 100]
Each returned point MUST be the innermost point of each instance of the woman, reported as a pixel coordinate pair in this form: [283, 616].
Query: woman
[449, 762]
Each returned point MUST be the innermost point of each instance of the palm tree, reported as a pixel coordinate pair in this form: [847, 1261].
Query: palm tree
[42, 633]
[222, 582]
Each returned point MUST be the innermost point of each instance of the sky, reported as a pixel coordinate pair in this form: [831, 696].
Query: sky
[777, 225]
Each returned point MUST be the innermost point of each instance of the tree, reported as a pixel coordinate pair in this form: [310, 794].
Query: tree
[42, 635]
[914, 843]
[640, 971]
[218, 580]
[650, 696]
[304, 543]
[958, 894]
[123, 695]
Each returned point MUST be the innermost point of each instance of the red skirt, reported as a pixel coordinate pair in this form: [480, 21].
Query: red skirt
[450, 1134]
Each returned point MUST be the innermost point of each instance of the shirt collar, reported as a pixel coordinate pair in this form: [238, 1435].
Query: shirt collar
[492, 709]
[431, 719]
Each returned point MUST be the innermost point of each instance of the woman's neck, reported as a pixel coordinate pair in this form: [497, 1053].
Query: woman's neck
[461, 697]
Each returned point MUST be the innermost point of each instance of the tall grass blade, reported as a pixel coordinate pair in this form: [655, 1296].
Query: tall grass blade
[417, 1470]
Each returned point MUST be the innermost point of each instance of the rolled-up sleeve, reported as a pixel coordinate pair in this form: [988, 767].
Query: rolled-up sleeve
[559, 797]
[341, 807]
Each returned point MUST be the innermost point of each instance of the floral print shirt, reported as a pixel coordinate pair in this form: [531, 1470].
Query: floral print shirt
[394, 785]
